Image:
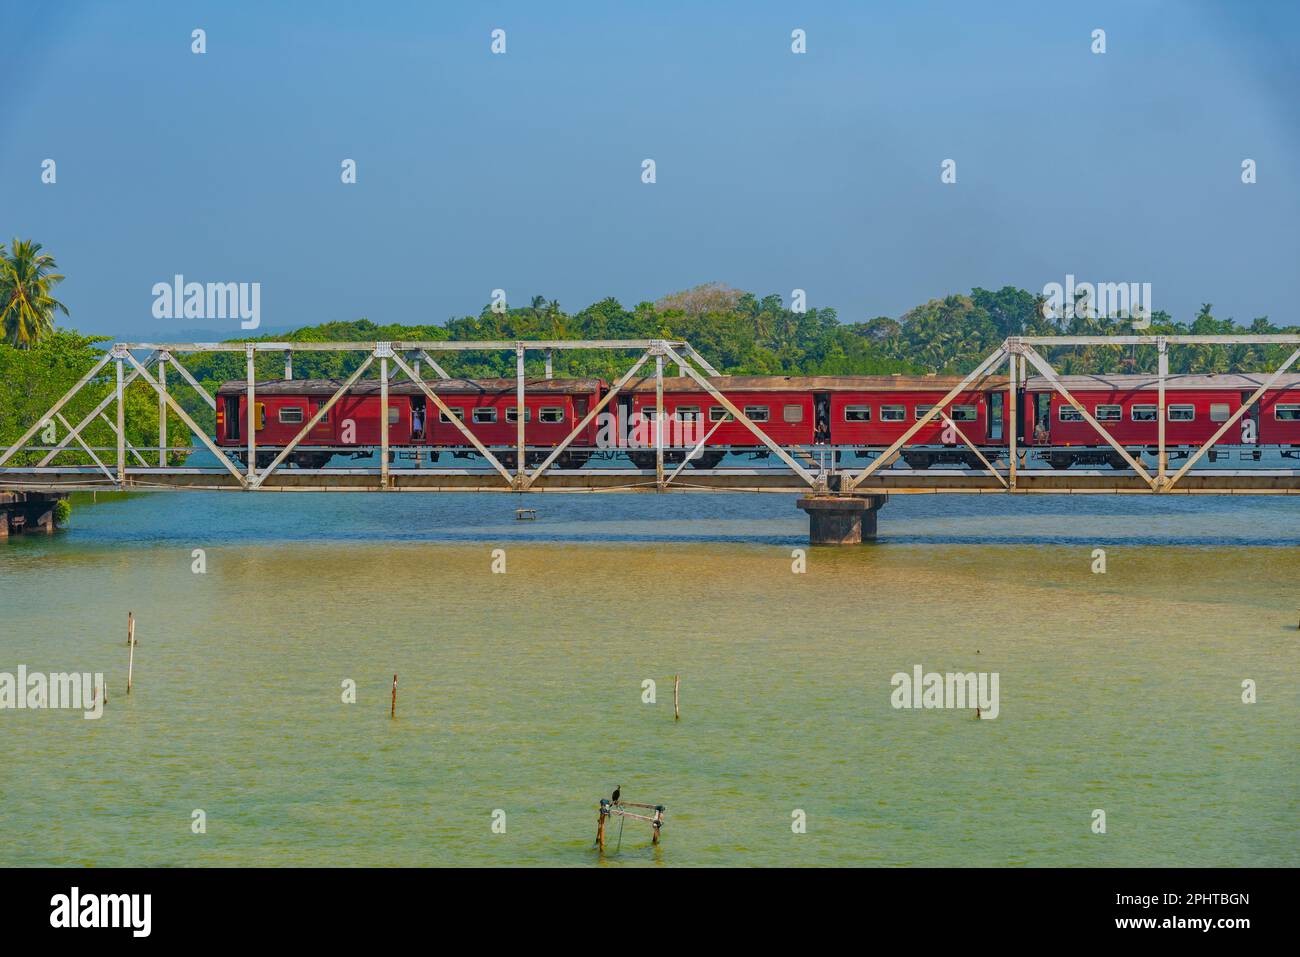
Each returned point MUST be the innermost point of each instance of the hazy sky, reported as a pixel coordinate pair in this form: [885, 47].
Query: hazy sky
[775, 170]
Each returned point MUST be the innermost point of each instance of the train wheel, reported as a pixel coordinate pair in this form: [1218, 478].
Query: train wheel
[708, 460]
[917, 460]
[642, 460]
[1060, 461]
[573, 460]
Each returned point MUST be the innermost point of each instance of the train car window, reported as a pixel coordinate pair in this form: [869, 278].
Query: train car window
[1182, 413]
[688, 413]
[550, 414]
[1143, 413]
[290, 415]
[649, 412]
[756, 413]
[512, 414]
[485, 415]
[458, 413]
[892, 413]
[962, 413]
[1286, 413]
[1069, 413]
[857, 413]
[792, 413]
[920, 411]
[394, 414]
[1219, 412]
[316, 407]
[1108, 413]
[718, 414]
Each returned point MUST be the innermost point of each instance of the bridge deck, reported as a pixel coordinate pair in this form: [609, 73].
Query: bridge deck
[932, 481]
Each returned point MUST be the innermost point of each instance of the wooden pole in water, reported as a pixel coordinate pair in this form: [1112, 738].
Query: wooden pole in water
[600, 823]
[130, 640]
[677, 698]
[393, 712]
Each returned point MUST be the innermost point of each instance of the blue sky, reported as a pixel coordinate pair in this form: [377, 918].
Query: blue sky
[775, 171]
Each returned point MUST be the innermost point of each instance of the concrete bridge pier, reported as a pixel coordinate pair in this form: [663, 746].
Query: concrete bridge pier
[27, 512]
[841, 519]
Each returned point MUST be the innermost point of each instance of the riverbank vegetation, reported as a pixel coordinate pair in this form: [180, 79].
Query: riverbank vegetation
[32, 379]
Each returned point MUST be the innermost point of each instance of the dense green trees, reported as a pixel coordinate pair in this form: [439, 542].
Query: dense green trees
[740, 333]
[33, 379]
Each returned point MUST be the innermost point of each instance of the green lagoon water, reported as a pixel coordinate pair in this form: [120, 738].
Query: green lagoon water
[523, 691]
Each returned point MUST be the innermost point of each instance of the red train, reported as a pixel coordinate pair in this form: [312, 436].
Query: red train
[852, 414]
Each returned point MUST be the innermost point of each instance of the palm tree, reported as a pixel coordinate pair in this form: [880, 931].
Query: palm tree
[27, 308]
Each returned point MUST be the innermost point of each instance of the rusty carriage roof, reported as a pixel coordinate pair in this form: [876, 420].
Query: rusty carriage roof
[494, 387]
[1142, 382]
[823, 383]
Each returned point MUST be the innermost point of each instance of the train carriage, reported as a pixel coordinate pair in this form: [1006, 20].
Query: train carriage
[1196, 406]
[780, 405]
[876, 411]
[862, 411]
[488, 407]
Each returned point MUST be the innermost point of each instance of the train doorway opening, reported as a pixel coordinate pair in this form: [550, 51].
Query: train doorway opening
[822, 418]
[1042, 418]
[417, 418]
[997, 416]
[232, 417]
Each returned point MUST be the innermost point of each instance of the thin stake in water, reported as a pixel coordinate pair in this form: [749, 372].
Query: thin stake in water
[130, 640]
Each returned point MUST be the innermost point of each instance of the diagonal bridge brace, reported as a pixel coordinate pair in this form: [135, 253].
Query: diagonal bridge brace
[1050, 375]
[980, 372]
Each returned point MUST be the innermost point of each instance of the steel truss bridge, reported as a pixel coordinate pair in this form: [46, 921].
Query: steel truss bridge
[803, 470]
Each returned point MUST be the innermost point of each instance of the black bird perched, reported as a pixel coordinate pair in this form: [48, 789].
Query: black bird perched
[618, 789]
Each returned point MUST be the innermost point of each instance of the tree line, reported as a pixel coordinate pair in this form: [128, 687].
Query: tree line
[742, 334]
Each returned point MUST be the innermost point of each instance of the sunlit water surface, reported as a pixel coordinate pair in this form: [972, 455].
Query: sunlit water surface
[523, 691]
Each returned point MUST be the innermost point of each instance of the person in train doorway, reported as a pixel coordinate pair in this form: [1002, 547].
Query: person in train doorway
[417, 423]
[821, 422]
[1040, 432]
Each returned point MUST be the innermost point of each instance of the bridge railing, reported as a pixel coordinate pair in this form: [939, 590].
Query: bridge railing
[1019, 352]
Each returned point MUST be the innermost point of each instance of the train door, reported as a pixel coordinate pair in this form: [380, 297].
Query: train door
[321, 433]
[822, 418]
[997, 412]
[418, 420]
[1249, 423]
[580, 403]
[232, 417]
[1042, 418]
[625, 427]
